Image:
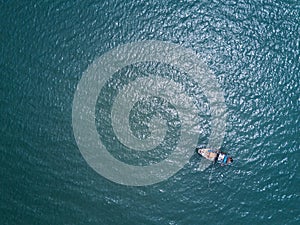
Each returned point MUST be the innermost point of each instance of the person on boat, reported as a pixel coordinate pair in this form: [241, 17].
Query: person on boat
[223, 158]
[216, 156]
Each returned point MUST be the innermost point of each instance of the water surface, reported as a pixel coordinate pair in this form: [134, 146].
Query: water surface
[253, 50]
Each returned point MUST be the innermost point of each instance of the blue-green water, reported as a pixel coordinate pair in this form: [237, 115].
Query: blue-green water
[252, 48]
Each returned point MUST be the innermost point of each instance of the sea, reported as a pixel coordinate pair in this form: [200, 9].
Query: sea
[71, 155]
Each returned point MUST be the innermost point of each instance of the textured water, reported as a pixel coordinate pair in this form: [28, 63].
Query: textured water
[252, 48]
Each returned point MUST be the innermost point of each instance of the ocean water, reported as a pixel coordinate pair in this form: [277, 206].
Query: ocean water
[251, 47]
